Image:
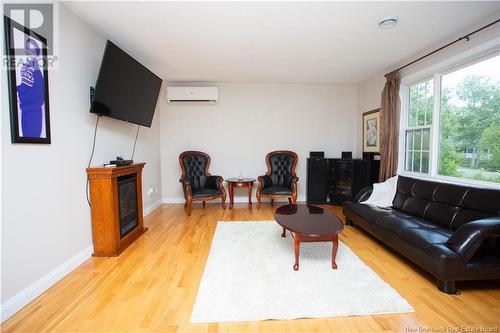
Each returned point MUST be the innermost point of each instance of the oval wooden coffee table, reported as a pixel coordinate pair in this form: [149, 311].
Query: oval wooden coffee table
[309, 223]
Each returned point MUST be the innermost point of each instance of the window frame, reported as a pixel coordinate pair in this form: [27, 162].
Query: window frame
[470, 57]
[404, 127]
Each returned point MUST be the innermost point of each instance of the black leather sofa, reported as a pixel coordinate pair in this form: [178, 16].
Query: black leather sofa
[451, 231]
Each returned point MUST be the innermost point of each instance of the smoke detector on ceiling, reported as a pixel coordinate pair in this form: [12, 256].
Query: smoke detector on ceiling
[388, 22]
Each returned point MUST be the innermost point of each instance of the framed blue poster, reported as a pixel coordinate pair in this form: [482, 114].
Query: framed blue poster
[28, 84]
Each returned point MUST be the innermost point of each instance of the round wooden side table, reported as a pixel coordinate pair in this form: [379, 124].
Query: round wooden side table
[244, 182]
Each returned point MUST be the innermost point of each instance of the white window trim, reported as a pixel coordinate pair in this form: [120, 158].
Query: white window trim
[435, 71]
[403, 127]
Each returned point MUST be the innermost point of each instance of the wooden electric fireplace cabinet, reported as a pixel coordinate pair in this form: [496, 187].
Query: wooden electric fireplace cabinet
[116, 205]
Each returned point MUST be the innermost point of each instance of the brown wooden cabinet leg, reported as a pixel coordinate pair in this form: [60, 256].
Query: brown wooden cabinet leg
[250, 185]
[283, 234]
[290, 200]
[296, 247]
[335, 247]
[231, 196]
[204, 204]
[272, 201]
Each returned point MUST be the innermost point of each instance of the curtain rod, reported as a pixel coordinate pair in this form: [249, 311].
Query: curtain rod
[466, 37]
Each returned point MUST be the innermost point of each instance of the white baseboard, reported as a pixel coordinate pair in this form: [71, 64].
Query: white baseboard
[149, 209]
[16, 303]
[172, 200]
[236, 200]
[182, 200]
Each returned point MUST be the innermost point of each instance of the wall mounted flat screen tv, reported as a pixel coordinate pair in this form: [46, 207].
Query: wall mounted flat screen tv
[125, 89]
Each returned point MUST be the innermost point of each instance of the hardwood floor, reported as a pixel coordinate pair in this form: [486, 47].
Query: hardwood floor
[152, 286]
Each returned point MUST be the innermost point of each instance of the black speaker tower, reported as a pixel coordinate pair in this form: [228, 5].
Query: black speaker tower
[317, 180]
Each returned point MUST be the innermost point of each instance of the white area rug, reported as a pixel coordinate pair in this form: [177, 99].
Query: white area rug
[249, 277]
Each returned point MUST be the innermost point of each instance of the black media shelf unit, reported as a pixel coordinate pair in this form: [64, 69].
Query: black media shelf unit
[335, 180]
[347, 178]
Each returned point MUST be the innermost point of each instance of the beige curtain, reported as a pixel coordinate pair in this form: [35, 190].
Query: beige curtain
[389, 127]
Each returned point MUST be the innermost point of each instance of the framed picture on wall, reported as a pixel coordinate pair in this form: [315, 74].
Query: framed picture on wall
[28, 84]
[371, 131]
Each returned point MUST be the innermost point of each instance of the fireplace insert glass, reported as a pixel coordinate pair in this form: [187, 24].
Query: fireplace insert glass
[127, 195]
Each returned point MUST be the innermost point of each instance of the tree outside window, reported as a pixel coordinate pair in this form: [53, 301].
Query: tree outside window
[469, 133]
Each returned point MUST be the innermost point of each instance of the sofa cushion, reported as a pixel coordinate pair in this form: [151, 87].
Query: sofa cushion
[446, 205]
[451, 195]
[467, 215]
[416, 206]
[424, 190]
[367, 212]
[400, 220]
[403, 191]
[421, 237]
[485, 200]
[441, 214]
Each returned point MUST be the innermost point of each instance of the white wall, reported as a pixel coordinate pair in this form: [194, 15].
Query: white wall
[254, 119]
[369, 98]
[46, 225]
[370, 93]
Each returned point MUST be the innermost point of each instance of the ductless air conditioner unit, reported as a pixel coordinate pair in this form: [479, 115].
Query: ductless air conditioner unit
[193, 95]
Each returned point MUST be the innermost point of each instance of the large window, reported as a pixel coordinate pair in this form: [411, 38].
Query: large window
[451, 124]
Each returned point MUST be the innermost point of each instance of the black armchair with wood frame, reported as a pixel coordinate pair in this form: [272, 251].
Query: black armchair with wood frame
[197, 183]
[280, 180]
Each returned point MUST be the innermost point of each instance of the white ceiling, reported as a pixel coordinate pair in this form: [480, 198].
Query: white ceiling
[322, 42]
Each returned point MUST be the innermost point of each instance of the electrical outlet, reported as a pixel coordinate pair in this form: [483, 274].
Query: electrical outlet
[150, 192]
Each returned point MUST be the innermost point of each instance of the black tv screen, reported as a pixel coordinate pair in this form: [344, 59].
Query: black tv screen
[125, 89]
